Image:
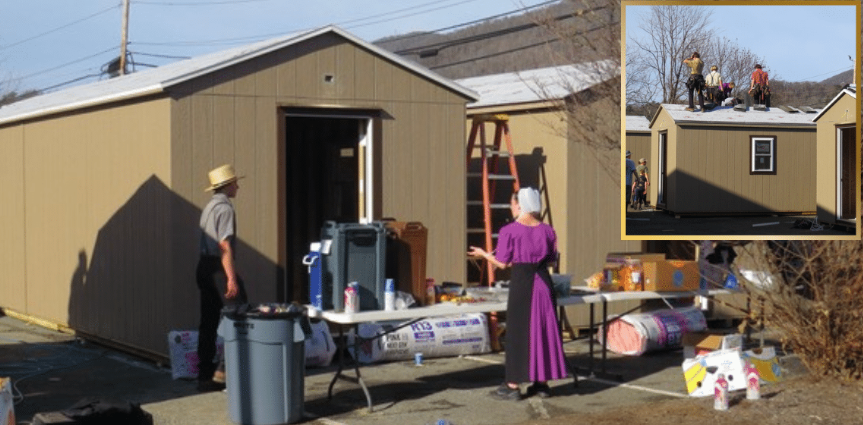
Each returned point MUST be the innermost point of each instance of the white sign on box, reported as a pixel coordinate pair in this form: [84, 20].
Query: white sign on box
[183, 348]
[434, 337]
[702, 371]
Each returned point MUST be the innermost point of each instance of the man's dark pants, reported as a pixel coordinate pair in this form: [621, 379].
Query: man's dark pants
[212, 285]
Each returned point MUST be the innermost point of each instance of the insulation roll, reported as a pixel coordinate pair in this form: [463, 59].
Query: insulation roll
[636, 334]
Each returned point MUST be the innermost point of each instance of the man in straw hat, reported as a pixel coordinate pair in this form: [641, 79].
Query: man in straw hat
[216, 274]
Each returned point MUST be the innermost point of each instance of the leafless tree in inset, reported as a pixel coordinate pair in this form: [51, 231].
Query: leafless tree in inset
[735, 63]
[672, 34]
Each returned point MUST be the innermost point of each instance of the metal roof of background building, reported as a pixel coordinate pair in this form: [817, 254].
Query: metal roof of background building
[726, 115]
[156, 80]
[637, 123]
[538, 85]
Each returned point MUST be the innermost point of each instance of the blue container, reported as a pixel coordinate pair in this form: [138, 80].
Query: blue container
[317, 294]
[353, 252]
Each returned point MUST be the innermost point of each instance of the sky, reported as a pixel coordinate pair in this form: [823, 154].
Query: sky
[45, 43]
[797, 42]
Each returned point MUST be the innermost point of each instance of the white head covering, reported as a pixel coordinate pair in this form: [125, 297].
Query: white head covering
[529, 201]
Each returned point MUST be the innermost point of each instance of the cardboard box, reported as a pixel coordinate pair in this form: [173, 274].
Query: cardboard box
[671, 276]
[699, 343]
[620, 257]
[701, 372]
[764, 359]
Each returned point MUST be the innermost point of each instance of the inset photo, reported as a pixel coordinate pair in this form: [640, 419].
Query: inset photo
[741, 131]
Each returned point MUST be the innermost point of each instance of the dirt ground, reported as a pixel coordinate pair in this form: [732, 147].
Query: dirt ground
[802, 400]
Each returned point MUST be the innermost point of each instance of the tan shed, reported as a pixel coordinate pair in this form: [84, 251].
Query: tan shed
[638, 137]
[725, 161]
[838, 163]
[105, 182]
[583, 203]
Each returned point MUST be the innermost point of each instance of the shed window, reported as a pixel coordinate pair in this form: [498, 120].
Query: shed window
[763, 155]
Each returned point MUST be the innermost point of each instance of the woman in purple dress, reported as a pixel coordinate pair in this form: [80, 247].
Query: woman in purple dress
[534, 351]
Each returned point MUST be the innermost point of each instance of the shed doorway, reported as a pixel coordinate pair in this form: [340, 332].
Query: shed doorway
[846, 173]
[327, 177]
[662, 181]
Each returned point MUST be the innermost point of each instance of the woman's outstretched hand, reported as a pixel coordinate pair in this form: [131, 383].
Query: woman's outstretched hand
[476, 251]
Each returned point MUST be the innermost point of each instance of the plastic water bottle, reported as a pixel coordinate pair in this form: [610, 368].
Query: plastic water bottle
[753, 382]
[389, 295]
[352, 298]
[720, 393]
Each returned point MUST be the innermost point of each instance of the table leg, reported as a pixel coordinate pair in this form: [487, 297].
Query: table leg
[341, 364]
[592, 326]
[357, 343]
[604, 333]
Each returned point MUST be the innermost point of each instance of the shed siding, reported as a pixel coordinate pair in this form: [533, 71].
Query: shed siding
[712, 171]
[639, 145]
[842, 112]
[13, 218]
[419, 134]
[97, 254]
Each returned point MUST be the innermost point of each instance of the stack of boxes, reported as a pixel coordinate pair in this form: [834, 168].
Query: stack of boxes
[647, 272]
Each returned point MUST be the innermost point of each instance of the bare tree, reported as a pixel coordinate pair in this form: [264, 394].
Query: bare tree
[589, 44]
[809, 290]
[735, 63]
[672, 34]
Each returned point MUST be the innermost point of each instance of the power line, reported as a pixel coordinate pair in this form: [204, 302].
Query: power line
[478, 37]
[452, 27]
[205, 3]
[346, 24]
[60, 27]
[68, 63]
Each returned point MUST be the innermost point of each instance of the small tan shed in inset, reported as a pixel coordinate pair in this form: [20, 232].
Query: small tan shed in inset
[725, 161]
[638, 137]
[838, 173]
[105, 182]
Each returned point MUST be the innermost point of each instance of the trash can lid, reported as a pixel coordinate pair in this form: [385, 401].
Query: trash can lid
[264, 311]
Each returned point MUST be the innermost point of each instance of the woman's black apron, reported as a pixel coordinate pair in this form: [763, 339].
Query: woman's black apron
[518, 315]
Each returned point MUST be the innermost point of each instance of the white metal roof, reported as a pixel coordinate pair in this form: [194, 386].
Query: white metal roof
[637, 123]
[538, 85]
[850, 91]
[156, 80]
[726, 115]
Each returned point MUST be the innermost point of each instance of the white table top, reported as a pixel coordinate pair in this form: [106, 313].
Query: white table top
[449, 308]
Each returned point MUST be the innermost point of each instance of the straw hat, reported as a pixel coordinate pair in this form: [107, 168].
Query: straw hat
[222, 176]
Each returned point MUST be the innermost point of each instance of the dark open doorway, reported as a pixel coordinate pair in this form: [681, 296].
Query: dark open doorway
[847, 173]
[324, 160]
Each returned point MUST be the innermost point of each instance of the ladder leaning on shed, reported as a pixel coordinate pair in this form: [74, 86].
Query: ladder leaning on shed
[489, 174]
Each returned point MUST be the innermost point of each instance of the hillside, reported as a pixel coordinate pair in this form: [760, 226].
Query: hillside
[515, 43]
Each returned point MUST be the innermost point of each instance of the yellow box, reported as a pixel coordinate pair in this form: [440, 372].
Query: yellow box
[671, 276]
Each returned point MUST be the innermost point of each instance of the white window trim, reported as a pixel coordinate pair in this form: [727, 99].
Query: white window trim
[752, 154]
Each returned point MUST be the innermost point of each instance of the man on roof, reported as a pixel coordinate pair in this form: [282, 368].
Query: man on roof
[696, 80]
[759, 86]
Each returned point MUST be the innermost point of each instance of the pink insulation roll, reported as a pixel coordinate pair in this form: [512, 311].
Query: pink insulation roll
[635, 334]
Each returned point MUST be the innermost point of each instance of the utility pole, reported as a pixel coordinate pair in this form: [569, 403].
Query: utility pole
[124, 37]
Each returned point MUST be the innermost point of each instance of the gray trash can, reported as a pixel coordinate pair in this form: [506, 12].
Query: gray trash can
[265, 363]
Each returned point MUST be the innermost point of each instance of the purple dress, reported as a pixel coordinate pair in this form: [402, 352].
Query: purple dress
[534, 351]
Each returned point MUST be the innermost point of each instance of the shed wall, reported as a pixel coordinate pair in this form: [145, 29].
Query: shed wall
[639, 145]
[90, 201]
[842, 112]
[234, 116]
[13, 288]
[712, 171]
